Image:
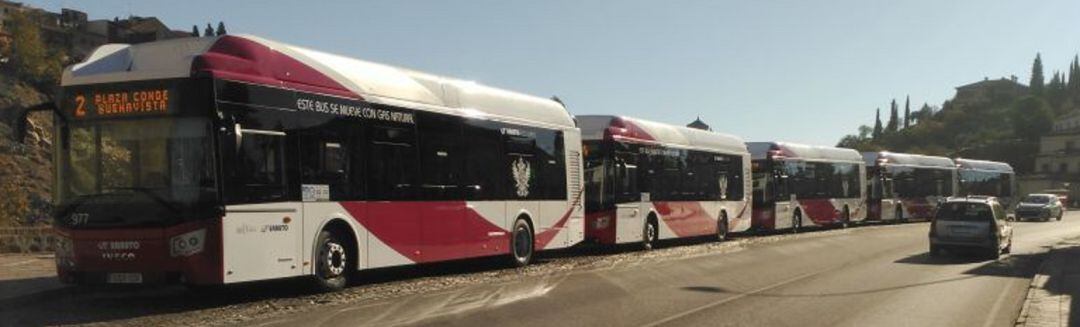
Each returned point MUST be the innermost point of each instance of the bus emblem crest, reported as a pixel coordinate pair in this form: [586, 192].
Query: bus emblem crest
[521, 172]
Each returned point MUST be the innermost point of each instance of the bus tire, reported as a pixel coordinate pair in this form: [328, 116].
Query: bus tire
[722, 227]
[332, 262]
[845, 219]
[796, 221]
[522, 246]
[649, 233]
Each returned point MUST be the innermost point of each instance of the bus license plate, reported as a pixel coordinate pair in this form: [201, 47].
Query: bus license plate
[124, 278]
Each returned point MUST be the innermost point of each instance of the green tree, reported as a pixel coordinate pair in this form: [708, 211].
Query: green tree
[195, 30]
[1073, 86]
[877, 125]
[1036, 84]
[29, 57]
[1031, 118]
[907, 112]
[894, 119]
[209, 30]
[220, 29]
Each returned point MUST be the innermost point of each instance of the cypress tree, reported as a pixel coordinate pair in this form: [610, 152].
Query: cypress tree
[195, 30]
[894, 119]
[220, 29]
[907, 112]
[1074, 77]
[1036, 84]
[877, 124]
[209, 30]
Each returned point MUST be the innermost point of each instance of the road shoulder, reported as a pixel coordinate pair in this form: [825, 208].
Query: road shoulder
[1049, 300]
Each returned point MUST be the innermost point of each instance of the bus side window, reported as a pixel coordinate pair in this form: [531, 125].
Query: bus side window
[484, 171]
[440, 157]
[260, 173]
[626, 177]
[325, 161]
[391, 163]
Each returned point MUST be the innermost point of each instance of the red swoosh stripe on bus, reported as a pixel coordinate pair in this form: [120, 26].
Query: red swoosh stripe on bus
[241, 59]
[821, 212]
[685, 218]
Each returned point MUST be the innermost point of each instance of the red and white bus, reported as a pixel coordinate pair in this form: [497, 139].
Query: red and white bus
[647, 181]
[235, 158]
[990, 178]
[797, 185]
[904, 186]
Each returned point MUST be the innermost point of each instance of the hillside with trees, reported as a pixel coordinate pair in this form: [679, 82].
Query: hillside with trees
[994, 119]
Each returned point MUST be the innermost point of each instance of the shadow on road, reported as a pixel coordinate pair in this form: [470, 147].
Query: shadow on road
[1012, 266]
[1064, 279]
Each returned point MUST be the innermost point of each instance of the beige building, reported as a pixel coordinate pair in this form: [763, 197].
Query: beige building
[1057, 166]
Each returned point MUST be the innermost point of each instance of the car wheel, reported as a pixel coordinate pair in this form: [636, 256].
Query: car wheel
[649, 234]
[1008, 247]
[1060, 213]
[845, 220]
[521, 243]
[900, 214]
[332, 263]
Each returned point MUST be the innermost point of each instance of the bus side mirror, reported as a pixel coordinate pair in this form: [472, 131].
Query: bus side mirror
[22, 121]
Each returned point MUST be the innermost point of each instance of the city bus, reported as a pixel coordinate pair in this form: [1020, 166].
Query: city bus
[230, 159]
[646, 181]
[989, 178]
[903, 186]
[798, 185]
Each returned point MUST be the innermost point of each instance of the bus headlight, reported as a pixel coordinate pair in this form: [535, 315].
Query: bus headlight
[187, 244]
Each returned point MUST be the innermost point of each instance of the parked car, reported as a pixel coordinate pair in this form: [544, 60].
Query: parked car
[1040, 206]
[978, 223]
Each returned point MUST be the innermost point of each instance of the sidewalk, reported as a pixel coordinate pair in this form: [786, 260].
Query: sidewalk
[1050, 299]
[25, 274]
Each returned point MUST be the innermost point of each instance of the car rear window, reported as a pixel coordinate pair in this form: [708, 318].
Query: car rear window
[1040, 199]
[965, 212]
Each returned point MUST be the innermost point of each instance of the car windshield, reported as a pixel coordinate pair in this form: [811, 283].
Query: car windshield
[160, 165]
[964, 211]
[1038, 199]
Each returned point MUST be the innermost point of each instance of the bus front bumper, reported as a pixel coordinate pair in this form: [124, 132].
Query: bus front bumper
[188, 253]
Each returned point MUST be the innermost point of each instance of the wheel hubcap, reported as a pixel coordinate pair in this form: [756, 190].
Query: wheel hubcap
[521, 243]
[335, 259]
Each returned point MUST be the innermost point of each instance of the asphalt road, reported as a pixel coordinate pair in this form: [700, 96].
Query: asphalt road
[862, 277]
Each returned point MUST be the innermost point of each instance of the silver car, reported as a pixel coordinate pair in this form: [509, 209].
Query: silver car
[1041, 207]
[971, 223]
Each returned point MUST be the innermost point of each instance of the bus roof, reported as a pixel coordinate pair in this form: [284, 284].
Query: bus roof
[255, 60]
[593, 127]
[907, 159]
[760, 150]
[983, 165]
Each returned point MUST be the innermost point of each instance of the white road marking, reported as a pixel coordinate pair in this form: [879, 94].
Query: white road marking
[20, 263]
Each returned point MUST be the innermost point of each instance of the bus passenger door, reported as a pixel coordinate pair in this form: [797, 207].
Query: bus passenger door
[785, 201]
[261, 229]
[629, 201]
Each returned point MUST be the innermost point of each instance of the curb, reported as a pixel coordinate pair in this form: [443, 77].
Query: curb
[1041, 275]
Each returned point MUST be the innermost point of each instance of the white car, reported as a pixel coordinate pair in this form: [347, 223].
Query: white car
[971, 223]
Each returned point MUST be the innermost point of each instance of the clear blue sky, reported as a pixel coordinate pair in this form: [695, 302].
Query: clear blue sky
[801, 71]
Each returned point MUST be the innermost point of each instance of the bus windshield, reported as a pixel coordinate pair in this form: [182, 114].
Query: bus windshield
[135, 172]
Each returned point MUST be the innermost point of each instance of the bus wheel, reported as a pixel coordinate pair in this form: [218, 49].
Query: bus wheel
[521, 243]
[845, 219]
[796, 221]
[332, 262]
[649, 234]
[722, 227]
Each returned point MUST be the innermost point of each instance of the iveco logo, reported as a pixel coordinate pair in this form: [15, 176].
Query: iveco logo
[118, 245]
[118, 256]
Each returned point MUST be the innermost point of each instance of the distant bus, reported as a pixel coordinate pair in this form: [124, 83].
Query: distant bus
[991, 178]
[796, 186]
[906, 186]
[647, 181]
[230, 159]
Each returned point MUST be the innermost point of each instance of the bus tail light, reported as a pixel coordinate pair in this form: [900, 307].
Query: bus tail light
[187, 244]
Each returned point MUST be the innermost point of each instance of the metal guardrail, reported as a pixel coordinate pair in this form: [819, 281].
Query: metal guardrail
[27, 239]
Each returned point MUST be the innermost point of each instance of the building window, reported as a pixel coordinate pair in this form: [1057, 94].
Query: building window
[1063, 167]
[1069, 145]
[1046, 168]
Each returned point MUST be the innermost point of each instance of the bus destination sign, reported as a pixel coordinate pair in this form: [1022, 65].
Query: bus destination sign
[120, 103]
